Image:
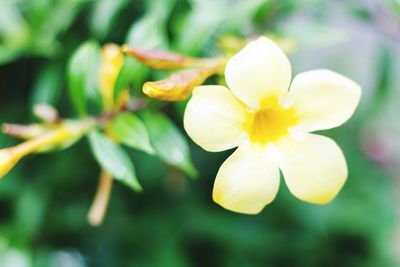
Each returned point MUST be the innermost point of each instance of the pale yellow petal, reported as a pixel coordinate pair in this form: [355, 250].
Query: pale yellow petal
[314, 167]
[214, 118]
[258, 71]
[323, 99]
[247, 181]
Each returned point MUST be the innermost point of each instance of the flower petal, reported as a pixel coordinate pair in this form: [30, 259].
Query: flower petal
[314, 167]
[247, 181]
[324, 99]
[214, 118]
[258, 71]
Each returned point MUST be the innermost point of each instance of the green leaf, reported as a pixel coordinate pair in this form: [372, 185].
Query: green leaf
[384, 76]
[125, 77]
[150, 30]
[114, 159]
[14, 32]
[48, 85]
[130, 130]
[103, 15]
[168, 141]
[201, 23]
[83, 76]
[207, 19]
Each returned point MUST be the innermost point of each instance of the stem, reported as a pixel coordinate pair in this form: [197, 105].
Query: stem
[133, 106]
[99, 206]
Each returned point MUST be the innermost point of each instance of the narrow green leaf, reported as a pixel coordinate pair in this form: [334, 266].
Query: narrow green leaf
[385, 75]
[148, 32]
[168, 141]
[48, 85]
[201, 23]
[125, 77]
[83, 76]
[113, 159]
[103, 15]
[208, 19]
[130, 130]
[14, 32]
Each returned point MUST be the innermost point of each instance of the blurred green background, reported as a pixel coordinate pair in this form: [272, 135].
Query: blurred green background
[173, 222]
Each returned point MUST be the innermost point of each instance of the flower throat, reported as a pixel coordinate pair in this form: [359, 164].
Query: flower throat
[270, 122]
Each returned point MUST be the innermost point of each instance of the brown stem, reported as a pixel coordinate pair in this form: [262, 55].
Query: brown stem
[132, 106]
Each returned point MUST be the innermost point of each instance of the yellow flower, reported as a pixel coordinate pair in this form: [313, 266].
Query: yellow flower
[271, 125]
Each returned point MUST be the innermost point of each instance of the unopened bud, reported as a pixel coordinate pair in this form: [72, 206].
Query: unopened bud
[162, 60]
[64, 135]
[178, 86]
[7, 160]
[46, 113]
[24, 131]
[111, 63]
[158, 59]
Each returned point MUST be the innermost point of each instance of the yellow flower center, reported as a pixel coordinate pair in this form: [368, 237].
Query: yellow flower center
[270, 122]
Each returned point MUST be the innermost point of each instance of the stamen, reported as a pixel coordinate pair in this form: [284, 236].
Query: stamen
[270, 122]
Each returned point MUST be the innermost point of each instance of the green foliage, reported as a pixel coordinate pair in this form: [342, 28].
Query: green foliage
[48, 85]
[83, 76]
[206, 18]
[130, 130]
[25, 27]
[103, 14]
[168, 141]
[113, 159]
[45, 55]
[126, 76]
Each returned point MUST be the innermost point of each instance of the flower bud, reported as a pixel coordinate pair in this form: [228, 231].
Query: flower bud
[24, 131]
[46, 113]
[111, 63]
[7, 160]
[178, 86]
[162, 60]
[159, 59]
[62, 136]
